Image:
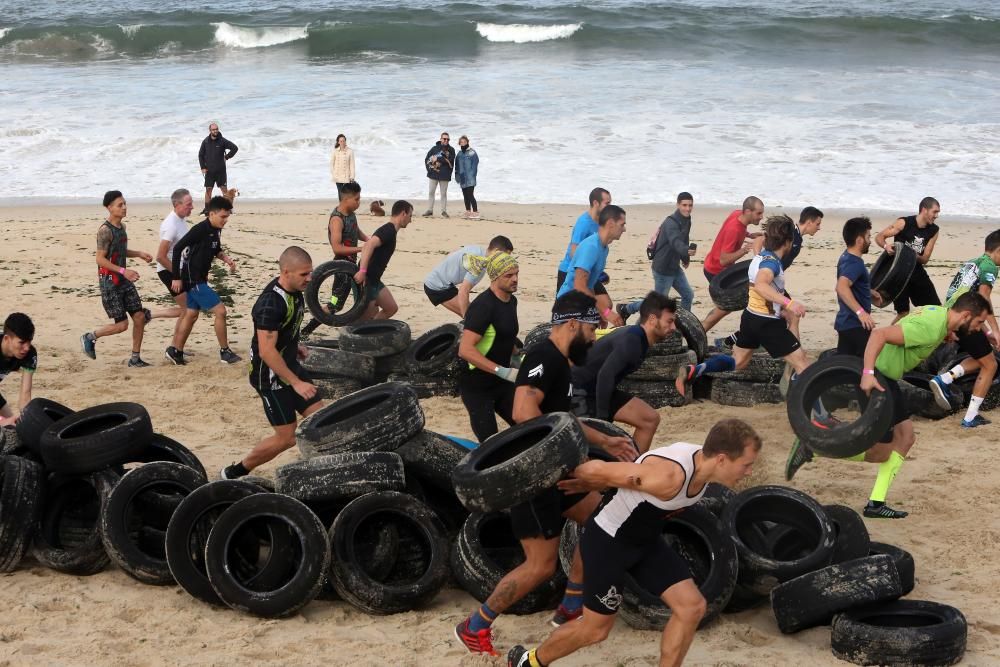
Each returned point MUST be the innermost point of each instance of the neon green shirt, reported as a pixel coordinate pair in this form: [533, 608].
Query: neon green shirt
[923, 331]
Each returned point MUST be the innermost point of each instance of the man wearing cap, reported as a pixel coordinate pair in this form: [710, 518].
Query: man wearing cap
[543, 387]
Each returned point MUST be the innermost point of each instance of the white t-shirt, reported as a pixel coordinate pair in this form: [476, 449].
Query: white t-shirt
[173, 228]
[452, 271]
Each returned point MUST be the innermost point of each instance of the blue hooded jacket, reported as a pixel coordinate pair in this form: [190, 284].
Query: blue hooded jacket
[466, 167]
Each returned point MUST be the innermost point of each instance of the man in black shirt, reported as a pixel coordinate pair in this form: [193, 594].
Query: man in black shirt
[487, 344]
[920, 233]
[275, 371]
[192, 261]
[375, 258]
[617, 355]
[17, 354]
[215, 151]
[543, 387]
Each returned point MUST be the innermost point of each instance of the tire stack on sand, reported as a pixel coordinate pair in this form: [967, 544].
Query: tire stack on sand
[653, 382]
[756, 384]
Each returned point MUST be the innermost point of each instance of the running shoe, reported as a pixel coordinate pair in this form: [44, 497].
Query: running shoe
[786, 379]
[622, 310]
[475, 216]
[444, 214]
[883, 511]
[137, 362]
[723, 343]
[978, 420]
[428, 213]
[227, 356]
[685, 376]
[825, 422]
[518, 657]
[89, 345]
[480, 642]
[175, 355]
[941, 391]
[564, 615]
[798, 456]
[233, 471]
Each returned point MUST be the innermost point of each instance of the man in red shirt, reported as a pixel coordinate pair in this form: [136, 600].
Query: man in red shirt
[731, 244]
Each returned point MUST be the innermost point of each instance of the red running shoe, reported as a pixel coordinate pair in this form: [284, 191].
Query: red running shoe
[477, 642]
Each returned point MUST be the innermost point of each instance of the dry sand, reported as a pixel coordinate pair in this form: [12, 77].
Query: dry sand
[47, 264]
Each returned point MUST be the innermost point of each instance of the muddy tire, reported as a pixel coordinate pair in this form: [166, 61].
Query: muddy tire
[904, 632]
[69, 530]
[435, 353]
[744, 394]
[96, 438]
[21, 492]
[340, 477]
[338, 269]
[729, 288]
[325, 362]
[890, 274]
[37, 416]
[377, 338]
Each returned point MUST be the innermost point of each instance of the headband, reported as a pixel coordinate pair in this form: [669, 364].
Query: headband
[589, 316]
[499, 264]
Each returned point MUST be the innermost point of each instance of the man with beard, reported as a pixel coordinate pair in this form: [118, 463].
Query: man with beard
[854, 322]
[544, 387]
[894, 350]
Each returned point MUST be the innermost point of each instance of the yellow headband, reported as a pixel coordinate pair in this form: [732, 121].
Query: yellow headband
[499, 264]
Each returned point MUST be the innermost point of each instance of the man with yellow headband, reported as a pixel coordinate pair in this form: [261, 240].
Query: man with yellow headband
[488, 341]
[450, 283]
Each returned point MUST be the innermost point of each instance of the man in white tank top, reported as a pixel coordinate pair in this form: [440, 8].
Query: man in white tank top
[624, 536]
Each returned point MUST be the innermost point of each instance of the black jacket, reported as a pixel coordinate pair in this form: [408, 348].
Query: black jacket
[672, 244]
[194, 253]
[213, 153]
[442, 168]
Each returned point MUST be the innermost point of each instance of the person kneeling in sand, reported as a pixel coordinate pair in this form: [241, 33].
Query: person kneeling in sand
[624, 536]
[275, 371]
[450, 283]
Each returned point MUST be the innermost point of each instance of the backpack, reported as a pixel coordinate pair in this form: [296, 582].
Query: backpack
[651, 246]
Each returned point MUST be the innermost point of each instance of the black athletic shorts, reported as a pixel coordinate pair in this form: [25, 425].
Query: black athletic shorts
[853, 341]
[599, 288]
[606, 560]
[709, 276]
[900, 413]
[542, 516]
[280, 405]
[217, 177]
[618, 400]
[975, 344]
[439, 296]
[167, 278]
[770, 333]
[919, 291]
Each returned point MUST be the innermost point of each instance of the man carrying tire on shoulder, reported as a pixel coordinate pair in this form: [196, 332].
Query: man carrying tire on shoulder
[544, 387]
[617, 355]
[374, 260]
[590, 258]
[624, 536]
[450, 283]
[275, 353]
[976, 275]
[17, 354]
[731, 243]
[920, 233]
[894, 350]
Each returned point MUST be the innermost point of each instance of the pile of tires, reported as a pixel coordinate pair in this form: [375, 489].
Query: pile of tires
[756, 384]
[376, 351]
[653, 381]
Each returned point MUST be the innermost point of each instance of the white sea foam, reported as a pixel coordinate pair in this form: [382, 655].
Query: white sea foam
[982, 18]
[522, 33]
[3, 32]
[130, 30]
[252, 38]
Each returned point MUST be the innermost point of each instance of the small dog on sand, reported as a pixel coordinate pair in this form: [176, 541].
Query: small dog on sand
[376, 208]
[231, 194]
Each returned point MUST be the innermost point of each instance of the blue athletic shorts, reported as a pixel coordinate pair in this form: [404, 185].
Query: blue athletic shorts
[202, 297]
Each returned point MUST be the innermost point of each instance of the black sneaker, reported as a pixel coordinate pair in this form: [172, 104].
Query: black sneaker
[518, 657]
[137, 362]
[875, 510]
[203, 211]
[175, 355]
[89, 344]
[798, 456]
[234, 471]
[227, 356]
[622, 310]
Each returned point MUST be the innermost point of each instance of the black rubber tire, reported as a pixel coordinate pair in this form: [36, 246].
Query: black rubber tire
[715, 498]
[515, 465]
[263, 483]
[849, 438]
[851, 534]
[432, 458]
[537, 335]
[904, 563]
[325, 362]
[607, 428]
[22, 490]
[485, 550]
[162, 448]
[904, 632]
[656, 394]
[376, 418]
[96, 438]
[308, 556]
[376, 338]
[730, 287]
[569, 539]
[190, 527]
[744, 394]
[672, 344]
[814, 598]
[389, 365]
[662, 368]
[428, 387]
[334, 389]
[320, 275]
[120, 523]
[890, 274]
[744, 599]
[694, 334]
[69, 532]
[413, 580]
[10, 443]
[338, 477]
[435, 353]
[782, 505]
[762, 368]
[916, 391]
[698, 537]
[37, 416]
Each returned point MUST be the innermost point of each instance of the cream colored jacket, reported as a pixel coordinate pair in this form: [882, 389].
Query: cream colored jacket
[342, 165]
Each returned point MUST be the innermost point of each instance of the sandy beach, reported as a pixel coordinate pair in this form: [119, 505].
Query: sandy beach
[47, 266]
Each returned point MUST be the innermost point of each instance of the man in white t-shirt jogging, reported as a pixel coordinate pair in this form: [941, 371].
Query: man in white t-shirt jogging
[172, 229]
[450, 283]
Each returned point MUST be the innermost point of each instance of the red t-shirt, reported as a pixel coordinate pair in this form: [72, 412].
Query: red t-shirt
[730, 238]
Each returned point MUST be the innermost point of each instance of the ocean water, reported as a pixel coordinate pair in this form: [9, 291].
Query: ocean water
[844, 104]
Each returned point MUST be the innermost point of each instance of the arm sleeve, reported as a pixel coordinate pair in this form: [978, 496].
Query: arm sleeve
[194, 235]
[614, 366]
[201, 155]
[218, 251]
[477, 318]
[853, 271]
[585, 258]
[732, 238]
[268, 314]
[352, 165]
[232, 148]
[475, 164]
[532, 372]
[577, 235]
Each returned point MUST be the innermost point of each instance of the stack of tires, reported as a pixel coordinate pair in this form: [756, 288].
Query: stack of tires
[653, 381]
[372, 352]
[758, 383]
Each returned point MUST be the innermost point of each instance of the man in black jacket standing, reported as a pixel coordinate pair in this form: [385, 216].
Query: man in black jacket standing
[215, 150]
[440, 162]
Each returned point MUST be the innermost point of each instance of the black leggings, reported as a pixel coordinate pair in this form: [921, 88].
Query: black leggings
[484, 403]
[470, 199]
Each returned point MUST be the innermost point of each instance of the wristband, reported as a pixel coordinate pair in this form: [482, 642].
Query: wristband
[121, 270]
[859, 311]
[788, 301]
[605, 313]
[868, 371]
[362, 270]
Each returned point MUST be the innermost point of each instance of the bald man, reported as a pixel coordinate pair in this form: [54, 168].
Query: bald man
[275, 371]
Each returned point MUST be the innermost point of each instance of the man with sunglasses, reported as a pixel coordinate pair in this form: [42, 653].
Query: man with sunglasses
[440, 162]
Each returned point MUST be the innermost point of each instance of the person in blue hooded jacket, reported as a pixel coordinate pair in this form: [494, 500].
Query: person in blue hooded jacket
[466, 168]
[440, 163]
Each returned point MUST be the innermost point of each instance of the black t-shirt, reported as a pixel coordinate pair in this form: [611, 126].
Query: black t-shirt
[10, 364]
[194, 253]
[276, 310]
[916, 237]
[545, 368]
[381, 255]
[496, 322]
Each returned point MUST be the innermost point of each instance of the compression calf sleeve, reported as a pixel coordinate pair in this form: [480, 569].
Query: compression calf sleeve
[886, 473]
[716, 364]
